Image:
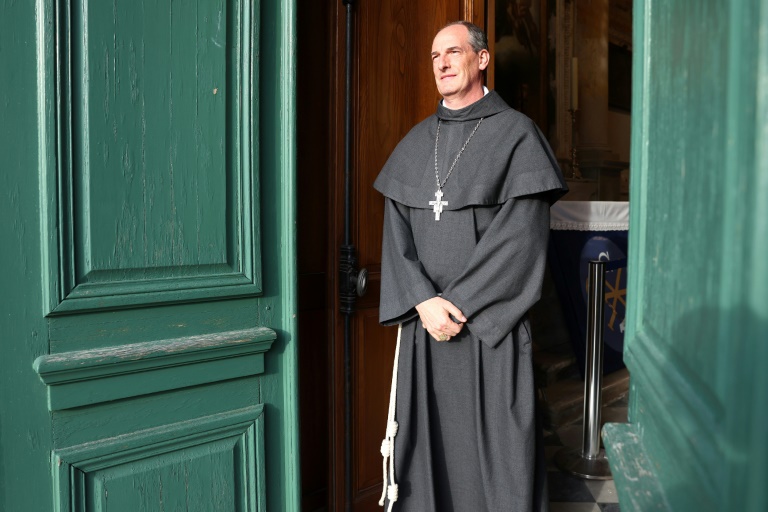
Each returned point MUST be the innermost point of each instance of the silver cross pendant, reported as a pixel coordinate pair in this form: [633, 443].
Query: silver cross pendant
[438, 203]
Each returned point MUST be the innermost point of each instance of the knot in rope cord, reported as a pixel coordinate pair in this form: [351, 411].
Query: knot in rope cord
[388, 444]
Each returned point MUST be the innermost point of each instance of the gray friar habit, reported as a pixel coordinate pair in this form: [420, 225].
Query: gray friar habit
[465, 409]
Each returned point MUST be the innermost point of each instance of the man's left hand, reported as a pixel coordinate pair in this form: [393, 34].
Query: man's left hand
[435, 318]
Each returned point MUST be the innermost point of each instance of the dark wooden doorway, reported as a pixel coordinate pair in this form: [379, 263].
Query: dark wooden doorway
[393, 89]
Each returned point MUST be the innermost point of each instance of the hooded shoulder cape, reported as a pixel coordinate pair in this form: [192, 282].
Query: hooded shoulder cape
[508, 157]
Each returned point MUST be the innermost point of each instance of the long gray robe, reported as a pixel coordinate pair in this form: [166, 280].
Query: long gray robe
[466, 408]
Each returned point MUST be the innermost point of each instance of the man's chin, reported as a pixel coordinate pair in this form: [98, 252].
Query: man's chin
[448, 94]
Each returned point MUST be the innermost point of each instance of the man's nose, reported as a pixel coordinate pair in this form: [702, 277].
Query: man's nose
[442, 62]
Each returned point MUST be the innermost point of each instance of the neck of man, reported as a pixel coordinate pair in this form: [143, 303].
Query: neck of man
[456, 102]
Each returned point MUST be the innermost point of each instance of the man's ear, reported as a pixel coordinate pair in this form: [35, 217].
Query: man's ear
[485, 59]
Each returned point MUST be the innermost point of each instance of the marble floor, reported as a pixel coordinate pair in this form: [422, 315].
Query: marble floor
[568, 493]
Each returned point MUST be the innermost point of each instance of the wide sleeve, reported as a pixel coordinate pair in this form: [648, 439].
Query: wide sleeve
[503, 277]
[404, 283]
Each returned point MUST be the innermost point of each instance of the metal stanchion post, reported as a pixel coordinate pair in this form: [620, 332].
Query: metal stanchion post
[590, 461]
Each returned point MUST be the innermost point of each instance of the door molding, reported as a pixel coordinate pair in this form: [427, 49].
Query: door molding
[81, 472]
[93, 171]
[86, 377]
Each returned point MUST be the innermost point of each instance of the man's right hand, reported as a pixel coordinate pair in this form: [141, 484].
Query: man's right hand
[434, 314]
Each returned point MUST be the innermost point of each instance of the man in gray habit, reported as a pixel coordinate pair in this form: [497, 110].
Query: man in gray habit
[466, 225]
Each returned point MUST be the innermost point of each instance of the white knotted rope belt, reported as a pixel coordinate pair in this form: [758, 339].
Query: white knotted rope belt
[388, 444]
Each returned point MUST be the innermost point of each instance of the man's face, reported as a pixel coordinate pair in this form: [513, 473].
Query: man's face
[457, 68]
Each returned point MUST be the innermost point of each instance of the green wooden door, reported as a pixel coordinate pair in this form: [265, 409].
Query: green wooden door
[697, 334]
[147, 341]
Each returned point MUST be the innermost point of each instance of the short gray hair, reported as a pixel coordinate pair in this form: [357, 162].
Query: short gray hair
[477, 39]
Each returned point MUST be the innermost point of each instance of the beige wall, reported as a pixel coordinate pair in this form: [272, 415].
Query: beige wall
[618, 133]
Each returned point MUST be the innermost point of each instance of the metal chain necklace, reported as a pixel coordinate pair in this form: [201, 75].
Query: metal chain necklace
[438, 203]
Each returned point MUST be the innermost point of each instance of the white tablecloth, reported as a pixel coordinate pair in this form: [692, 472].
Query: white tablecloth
[590, 216]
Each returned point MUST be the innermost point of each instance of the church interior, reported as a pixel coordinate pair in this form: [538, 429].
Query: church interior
[565, 64]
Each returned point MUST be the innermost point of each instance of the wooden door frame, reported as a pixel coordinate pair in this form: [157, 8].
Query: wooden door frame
[335, 334]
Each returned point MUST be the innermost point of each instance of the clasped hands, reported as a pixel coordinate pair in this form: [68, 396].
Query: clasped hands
[434, 314]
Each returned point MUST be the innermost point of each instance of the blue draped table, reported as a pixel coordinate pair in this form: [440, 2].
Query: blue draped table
[582, 231]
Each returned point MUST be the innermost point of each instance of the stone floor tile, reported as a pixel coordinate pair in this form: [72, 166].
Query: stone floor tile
[573, 507]
[604, 491]
[567, 488]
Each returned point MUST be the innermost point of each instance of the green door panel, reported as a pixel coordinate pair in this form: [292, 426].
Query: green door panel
[152, 180]
[698, 278]
[210, 463]
[147, 212]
